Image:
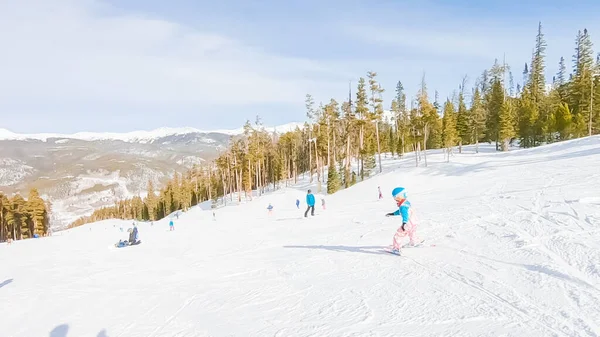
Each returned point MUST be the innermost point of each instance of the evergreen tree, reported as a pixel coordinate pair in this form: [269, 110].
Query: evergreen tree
[450, 135]
[495, 102]
[333, 180]
[477, 122]
[462, 119]
[37, 213]
[506, 125]
[563, 119]
[377, 109]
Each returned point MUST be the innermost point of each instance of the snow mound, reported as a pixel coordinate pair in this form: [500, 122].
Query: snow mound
[512, 248]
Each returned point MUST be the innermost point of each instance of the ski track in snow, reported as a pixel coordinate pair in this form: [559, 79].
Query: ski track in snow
[516, 252]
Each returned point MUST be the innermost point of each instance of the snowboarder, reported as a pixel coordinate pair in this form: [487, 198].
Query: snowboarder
[270, 208]
[132, 240]
[298, 203]
[171, 225]
[310, 201]
[133, 236]
[408, 227]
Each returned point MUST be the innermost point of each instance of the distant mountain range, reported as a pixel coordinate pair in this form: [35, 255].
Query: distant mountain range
[84, 171]
[138, 136]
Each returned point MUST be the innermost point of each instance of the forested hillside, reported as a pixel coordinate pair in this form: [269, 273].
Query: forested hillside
[353, 129]
[22, 219]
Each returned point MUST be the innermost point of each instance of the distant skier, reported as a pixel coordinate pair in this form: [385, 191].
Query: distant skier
[310, 201]
[408, 227]
[270, 208]
[298, 203]
[171, 225]
[323, 203]
[380, 194]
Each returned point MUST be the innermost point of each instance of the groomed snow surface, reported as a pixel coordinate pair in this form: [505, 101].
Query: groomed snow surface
[516, 253]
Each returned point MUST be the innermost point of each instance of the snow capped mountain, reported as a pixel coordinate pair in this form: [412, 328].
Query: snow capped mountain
[141, 136]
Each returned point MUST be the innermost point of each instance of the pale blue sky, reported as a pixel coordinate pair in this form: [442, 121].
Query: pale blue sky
[123, 65]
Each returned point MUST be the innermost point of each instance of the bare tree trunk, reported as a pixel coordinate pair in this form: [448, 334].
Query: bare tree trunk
[415, 147]
[224, 187]
[328, 143]
[310, 152]
[348, 158]
[209, 181]
[378, 145]
[257, 169]
[249, 188]
[334, 148]
[425, 138]
[403, 145]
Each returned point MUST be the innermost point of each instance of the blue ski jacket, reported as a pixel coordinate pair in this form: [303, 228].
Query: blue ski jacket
[310, 199]
[403, 210]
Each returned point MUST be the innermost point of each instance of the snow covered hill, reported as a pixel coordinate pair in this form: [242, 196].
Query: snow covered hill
[512, 248]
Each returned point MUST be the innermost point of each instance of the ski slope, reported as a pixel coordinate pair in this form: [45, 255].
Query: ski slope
[517, 253]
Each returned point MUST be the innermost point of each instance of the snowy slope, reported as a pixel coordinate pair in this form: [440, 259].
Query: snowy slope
[517, 253]
[134, 136]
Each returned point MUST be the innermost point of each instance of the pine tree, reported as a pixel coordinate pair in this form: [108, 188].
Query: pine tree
[361, 115]
[506, 128]
[563, 119]
[537, 81]
[495, 102]
[477, 122]
[450, 135]
[462, 119]
[580, 93]
[333, 180]
[37, 213]
[151, 202]
[377, 112]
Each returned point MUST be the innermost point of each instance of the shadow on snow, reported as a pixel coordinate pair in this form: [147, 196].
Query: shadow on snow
[63, 330]
[6, 282]
[360, 249]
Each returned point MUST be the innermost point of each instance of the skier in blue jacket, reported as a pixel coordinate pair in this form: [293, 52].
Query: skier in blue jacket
[310, 201]
[408, 227]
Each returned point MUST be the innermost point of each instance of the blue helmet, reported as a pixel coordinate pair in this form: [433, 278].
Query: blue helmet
[399, 191]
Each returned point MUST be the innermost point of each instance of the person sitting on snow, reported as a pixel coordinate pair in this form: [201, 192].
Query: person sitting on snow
[133, 236]
[408, 227]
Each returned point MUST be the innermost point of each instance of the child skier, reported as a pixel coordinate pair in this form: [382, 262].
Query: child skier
[408, 227]
[270, 208]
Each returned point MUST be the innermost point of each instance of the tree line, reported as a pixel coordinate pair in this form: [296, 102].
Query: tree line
[22, 219]
[348, 137]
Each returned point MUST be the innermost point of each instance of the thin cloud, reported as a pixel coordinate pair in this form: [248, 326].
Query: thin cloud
[81, 51]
